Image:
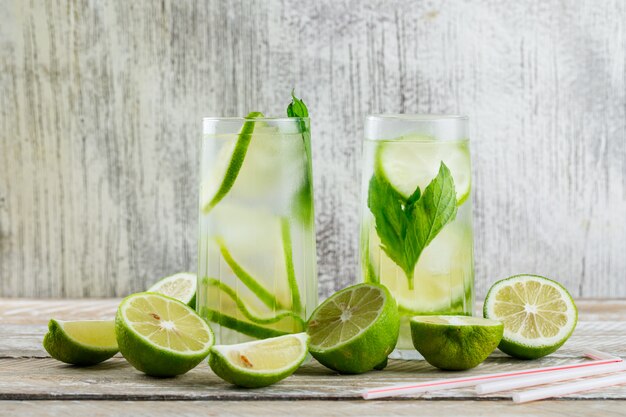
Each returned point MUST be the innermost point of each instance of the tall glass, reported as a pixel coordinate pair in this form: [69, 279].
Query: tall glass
[416, 223]
[256, 261]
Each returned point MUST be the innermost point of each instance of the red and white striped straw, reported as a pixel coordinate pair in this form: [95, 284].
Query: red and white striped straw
[441, 384]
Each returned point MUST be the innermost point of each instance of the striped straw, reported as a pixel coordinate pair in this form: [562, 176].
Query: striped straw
[440, 384]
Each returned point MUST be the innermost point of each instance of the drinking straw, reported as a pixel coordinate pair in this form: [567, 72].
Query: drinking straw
[449, 383]
[571, 388]
[545, 378]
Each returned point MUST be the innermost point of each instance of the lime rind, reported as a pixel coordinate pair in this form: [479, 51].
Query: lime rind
[247, 377]
[62, 346]
[513, 343]
[236, 161]
[455, 342]
[245, 310]
[296, 303]
[248, 280]
[181, 286]
[244, 327]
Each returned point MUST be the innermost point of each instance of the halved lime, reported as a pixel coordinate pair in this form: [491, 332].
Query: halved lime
[354, 329]
[413, 161]
[259, 363]
[181, 286]
[161, 336]
[538, 314]
[455, 342]
[86, 342]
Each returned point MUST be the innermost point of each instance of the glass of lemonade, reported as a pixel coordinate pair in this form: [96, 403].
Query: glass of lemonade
[416, 222]
[256, 262]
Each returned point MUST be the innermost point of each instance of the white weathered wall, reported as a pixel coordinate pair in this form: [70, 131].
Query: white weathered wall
[101, 102]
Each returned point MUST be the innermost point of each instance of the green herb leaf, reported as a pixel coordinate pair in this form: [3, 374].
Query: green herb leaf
[406, 226]
[297, 108]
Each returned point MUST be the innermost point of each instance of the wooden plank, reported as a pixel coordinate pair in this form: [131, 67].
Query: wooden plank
[39, 311]
[46, 379]
[27, 373]
[100, 118]
[442, 408]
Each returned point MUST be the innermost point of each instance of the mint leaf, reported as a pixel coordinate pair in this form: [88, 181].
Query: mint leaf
[296, 108]
[406, 226]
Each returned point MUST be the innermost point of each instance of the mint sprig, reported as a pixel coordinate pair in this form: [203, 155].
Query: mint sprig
[296, 108]
[406, 226]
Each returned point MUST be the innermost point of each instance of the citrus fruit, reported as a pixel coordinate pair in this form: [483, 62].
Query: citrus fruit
[259, 363]
[354, 329]
[538, 314]
[161, 336]
[407, 166]
[455, 342]
[83, 343]
[181, 286]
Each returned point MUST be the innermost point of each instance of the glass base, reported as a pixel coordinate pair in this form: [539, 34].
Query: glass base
[406, 354]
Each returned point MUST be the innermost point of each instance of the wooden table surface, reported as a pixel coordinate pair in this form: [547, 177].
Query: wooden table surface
[31, 383]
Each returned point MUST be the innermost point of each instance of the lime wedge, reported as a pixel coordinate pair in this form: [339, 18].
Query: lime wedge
[355, 329]
[259, 363]
[82, 343]
[538, 314]
[181, 286]
[455, 342]
[414, 161]
[161, 336]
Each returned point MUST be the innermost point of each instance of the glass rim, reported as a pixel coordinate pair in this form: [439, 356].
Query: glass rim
[417, 117]
[259, 119]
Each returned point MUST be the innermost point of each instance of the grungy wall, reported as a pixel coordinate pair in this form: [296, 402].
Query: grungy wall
[100, 119]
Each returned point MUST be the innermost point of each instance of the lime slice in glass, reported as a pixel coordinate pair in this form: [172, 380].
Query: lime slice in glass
[259, 363]
[161, 336]
[538, 314]
[455, 342]
[440, 277]
[181, 286]
[81, 343]
[355, 329]
[414, 161]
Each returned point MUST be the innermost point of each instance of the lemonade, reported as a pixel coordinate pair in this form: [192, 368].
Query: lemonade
[416, 230]
[257, 262]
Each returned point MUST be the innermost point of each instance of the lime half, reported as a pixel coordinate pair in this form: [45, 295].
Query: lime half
[414, 161]
[355, 329]
[538, 314]
[259, 363]
[83, 343]
[181, 286]
[455, 342]
[161, 336]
